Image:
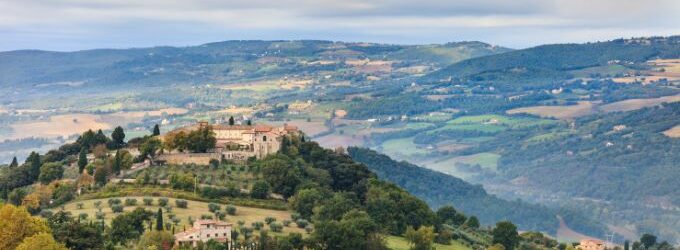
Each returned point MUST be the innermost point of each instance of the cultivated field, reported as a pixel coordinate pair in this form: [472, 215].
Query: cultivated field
[583, 108]
[633, 104]
[673, 132]
[402, 148]
[58, 125]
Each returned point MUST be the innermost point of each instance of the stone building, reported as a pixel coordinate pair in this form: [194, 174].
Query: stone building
[205, 230]
[239, 142]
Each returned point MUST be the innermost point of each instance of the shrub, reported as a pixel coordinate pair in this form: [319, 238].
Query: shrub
[181, 203]
[220, 215]
[214, 163]
[162, 202]
[257, 225]
[97, 204]
[295, 216]
[99, 215]
[80, 205]
[240, 223]
[269, 220]
[46, 213]
[276, 227]
[168, 209]
[206, 217]
[130, 202]
[176, 221]
[309, 229]
[231, 210]
[286, 222]
[301, 223]
[82, 216]
[113, 202]
[147, 201]
[117, 208]
[213, 207]
[191, 220]
[171, 216]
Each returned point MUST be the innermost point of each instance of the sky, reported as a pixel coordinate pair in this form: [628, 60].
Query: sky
[68, 25]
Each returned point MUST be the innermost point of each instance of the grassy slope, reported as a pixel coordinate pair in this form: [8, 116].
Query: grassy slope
[194, 209]
[400, 243]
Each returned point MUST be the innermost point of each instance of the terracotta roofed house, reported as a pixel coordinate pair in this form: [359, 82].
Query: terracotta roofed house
[205, 230]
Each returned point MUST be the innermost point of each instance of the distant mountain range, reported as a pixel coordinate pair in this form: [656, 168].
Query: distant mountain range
[584, 130]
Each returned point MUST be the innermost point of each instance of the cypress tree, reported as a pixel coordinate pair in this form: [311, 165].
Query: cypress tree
[82, 159]
[118, 137]
[34, 160]
[116, 163]
[14, 163]
[231, 121]
[285, 143]
[626, 245]
[159, 220]
[249, 123]
[156, 130]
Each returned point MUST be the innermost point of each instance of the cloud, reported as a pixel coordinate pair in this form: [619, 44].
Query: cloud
[81, 24]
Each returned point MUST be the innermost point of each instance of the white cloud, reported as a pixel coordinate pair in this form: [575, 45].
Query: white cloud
[77, 24]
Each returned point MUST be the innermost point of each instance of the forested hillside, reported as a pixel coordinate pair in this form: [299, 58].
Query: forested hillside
[623, 156]
[549, 66]
[439, 189]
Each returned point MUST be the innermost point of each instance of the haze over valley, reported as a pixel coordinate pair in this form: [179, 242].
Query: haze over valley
[576, 138]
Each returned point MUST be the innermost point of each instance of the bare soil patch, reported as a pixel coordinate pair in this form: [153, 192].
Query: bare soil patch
[560, 112]
[633, 104]
[674, 132]
[59, 125]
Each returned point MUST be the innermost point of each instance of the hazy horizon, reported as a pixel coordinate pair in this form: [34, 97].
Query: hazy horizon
[69, 25]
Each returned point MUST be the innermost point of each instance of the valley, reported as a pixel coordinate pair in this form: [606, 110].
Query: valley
[568, 127]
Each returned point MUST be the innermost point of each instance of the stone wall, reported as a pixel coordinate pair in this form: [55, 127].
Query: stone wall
[188, 158]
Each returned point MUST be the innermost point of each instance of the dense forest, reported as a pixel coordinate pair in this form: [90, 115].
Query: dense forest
[628, 146]
[440, 189]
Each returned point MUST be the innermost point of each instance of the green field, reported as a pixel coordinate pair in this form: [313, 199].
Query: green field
[399, 243]
[487, 161]
[403, 147]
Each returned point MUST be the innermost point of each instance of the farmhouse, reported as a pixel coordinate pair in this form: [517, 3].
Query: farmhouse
[205, 230]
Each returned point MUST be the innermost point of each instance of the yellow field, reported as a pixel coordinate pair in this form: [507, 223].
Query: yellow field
[633, 104]
[194, 209]
[59, 125]
[657, 76]
[237, 110]
[560, 112]
[669, 65]
[673, 132]
[340, 113]
[69, 124]
[268, 85]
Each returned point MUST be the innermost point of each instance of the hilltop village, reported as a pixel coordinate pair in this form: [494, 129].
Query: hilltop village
[229, 142]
